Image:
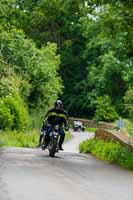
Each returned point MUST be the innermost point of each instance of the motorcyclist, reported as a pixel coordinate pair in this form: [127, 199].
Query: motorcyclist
[55, 116]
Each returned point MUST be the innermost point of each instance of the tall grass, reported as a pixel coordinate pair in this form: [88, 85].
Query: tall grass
[90, 129]
[36, 119]
[113, 152]
[21, 139]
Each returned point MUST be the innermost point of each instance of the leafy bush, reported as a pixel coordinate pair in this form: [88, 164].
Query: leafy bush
[110, 151]
[87, 146]
[128, 99]
[6, 119]
[37, 68]
[125, 158]
[104, 110]
[13, 113]
[19, 112]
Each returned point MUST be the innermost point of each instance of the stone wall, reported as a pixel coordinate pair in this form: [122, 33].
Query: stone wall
[114, 136]
[92, 123]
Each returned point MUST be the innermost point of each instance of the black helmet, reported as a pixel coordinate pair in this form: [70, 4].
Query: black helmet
[58, 104]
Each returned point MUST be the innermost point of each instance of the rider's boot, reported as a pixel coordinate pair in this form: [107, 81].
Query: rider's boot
[61, 142]
[45, 144]
[61, 149]
[40, 140]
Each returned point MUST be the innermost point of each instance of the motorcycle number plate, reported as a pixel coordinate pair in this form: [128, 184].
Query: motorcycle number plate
[55, 133]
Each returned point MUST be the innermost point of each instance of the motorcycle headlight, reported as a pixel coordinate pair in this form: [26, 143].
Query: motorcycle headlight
[56, 127]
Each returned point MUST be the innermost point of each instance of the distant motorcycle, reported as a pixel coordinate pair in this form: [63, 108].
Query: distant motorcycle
[78, 126]
[53, 140]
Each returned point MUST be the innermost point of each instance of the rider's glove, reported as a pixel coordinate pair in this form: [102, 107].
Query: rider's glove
[66, 128]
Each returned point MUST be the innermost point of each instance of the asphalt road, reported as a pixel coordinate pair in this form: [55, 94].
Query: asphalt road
[29, 174]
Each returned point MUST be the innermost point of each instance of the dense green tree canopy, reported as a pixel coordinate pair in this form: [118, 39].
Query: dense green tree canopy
[36, 67]
[88, 44]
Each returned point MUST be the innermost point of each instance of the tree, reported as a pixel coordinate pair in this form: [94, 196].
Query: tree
[104, 110]
[108, 54]
[37, 68]
[13, 110]
[128, 100]
[93, 38]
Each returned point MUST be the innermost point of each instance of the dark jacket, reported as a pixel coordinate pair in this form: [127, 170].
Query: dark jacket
[57, 116]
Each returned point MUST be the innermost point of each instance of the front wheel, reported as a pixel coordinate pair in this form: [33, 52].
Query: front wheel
[52, 146]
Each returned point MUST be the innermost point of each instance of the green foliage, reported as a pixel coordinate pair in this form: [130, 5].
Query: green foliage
[109, 151]
[67, 135]
[104, 110]
[87, 146]
[29, 74]
[128, 100]
[7, 79]
[129, 126]
[36, 118]
[22, 139]
[107, 53]
[53, 21]
[19, 139]
[90, 129]
[13, 113]
[93, 38]
[125, 158]
[40, 83]
[18, 111]
[6, 119]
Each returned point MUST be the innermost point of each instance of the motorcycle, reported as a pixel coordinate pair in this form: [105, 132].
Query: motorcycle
[78, 126]
[52, 145]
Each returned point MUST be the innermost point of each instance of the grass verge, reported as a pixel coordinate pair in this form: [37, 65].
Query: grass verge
[129, 126]
[67, 135]
[112, 152]
[90, 129]
[17, 139]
